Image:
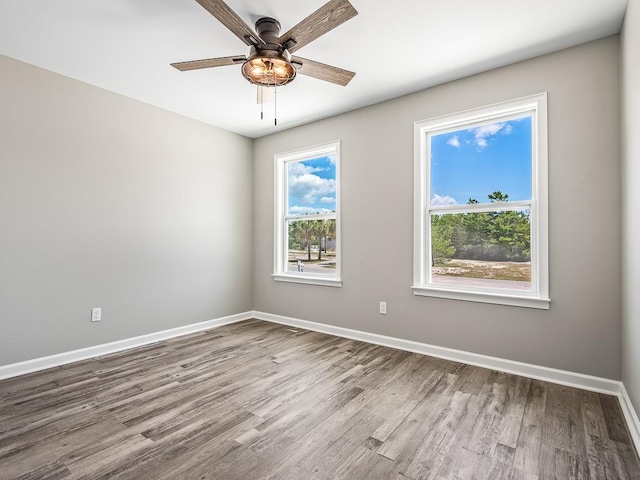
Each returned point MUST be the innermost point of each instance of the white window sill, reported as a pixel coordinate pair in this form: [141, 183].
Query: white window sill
[484, 297]
[309, 280]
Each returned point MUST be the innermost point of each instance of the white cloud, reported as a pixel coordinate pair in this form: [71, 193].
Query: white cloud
[454, 142]
[299, 168]
[298, 210]
[308, 187]
[442, 200]
[488, 130]
[482, 133]
[328, 200]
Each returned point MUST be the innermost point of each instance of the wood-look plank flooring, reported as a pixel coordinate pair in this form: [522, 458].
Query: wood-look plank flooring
[255, 400]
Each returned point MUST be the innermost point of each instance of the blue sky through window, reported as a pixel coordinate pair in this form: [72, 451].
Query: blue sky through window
[474, 162]
[311, 186]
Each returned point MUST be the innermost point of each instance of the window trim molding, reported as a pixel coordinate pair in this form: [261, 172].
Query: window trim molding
[281, 186]
[539, 296]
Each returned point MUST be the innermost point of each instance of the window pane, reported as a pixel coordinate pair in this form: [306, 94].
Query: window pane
[469, 165]
[311, 186]
[311, 246]
[490, 249]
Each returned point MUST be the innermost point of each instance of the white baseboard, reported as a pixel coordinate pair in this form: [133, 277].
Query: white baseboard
[630, 416]
[42, 363]
[562, 377]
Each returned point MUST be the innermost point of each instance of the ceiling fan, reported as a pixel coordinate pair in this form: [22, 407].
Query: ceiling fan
[270, 62]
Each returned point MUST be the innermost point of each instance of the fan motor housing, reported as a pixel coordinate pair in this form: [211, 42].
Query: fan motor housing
[269, 29]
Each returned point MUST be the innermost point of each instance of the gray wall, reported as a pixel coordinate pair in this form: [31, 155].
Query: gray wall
[581, 331]
[108, 202]
[630, 200]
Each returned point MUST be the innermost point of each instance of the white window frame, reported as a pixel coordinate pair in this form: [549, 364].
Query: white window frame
[280, 254]
[538, 296]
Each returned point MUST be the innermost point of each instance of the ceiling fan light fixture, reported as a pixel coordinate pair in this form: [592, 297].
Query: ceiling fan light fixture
[270, 63]
[269, 68]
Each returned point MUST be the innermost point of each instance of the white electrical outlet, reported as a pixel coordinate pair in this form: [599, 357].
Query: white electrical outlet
[383, 308]
[96, 314]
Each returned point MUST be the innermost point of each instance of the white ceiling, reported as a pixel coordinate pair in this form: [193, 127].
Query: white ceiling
[126, 46]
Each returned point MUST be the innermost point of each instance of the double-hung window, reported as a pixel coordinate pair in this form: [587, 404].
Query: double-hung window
[480, 213]
[307, 223]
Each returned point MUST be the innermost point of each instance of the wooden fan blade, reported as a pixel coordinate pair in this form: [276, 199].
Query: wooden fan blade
[326, 18]
[209, 62]
[323, 71]
[232, 21]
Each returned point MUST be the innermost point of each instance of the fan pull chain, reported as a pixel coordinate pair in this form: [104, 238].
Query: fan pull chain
[261, 103]
[261, 95]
